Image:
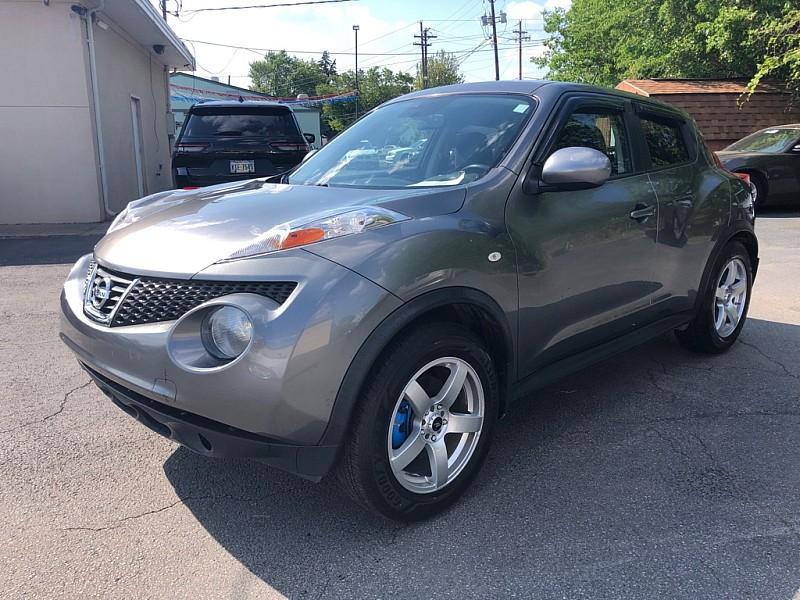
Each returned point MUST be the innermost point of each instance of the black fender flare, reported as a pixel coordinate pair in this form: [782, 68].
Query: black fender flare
[741, 229]
[352, 383]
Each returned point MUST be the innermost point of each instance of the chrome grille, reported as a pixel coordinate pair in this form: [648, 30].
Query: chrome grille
[137, 300]
[103, 292]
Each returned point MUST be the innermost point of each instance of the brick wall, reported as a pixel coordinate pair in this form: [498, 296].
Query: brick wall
[723, 122]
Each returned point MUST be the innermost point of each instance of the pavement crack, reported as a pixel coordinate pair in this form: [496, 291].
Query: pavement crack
[709, 415]
[771, 359]
[57, 412]
[121, 522]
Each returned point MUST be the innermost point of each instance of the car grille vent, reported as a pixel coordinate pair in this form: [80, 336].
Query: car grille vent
[152, 300]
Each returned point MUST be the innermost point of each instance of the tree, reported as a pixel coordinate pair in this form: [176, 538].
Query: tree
[327, 66]
[605, 41]
[442, 70]
[377, 85]
[782, 56]
[284, 76]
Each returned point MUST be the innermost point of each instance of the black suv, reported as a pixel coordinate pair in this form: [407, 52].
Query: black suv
[227, 141]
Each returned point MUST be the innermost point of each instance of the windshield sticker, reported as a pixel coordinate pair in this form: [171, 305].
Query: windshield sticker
[521, 108]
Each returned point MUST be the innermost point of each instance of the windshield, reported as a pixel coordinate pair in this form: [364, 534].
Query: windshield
[241, 122]
[432, 141]
[767, 140]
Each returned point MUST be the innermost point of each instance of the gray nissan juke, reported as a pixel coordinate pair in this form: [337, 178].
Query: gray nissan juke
[373, 318]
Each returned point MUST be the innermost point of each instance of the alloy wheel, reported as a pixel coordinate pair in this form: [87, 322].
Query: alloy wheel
[730, 297]
[436, 425]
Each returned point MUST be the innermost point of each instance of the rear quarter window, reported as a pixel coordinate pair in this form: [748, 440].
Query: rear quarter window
[665, 141]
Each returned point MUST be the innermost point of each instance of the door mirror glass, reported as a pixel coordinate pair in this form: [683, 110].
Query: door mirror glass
[796, 148]
[576, 167]
[310, 137]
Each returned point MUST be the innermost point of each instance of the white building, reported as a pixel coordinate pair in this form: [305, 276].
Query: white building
[85, 122]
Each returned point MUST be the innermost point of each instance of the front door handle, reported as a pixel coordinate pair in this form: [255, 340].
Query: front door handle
[642, 212]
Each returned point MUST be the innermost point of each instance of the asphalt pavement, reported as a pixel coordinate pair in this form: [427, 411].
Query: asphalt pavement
[655, 474]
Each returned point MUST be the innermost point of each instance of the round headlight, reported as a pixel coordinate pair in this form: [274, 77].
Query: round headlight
[226, 332]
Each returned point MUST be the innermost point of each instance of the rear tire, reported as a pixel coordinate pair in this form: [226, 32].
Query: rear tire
[413, 449]
[723, 310]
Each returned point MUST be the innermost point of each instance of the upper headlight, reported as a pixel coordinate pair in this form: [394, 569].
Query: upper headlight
[308, 231]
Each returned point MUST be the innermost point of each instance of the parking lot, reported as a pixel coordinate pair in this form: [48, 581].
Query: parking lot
[655, 474]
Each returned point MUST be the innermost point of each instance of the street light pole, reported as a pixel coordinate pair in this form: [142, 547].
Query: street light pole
[355, 30]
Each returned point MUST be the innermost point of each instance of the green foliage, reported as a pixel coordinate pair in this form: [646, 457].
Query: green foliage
[605, 41]
[377, 85]
[782, 57]
[442, 70]
[284, 76]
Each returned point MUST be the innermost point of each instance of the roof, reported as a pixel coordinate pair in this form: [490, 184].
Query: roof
[542, 88]
[235, 104]
[214, 82]
[141, 21]
[650, 87]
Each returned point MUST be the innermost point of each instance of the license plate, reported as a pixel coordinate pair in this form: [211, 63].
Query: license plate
[243, 166]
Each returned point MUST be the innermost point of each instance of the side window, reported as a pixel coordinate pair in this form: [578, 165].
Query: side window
[601, 130]
[664, 141]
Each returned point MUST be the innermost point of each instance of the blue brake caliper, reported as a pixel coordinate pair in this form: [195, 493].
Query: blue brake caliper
[402, 425]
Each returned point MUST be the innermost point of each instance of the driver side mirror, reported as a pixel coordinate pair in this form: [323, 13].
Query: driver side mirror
[575, 168]
[310, 137]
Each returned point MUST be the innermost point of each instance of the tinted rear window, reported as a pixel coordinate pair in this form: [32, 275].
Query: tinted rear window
[664, 141]
[241, 122]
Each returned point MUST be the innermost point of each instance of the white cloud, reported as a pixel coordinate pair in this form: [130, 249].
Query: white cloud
[524, 9]
[308, 28]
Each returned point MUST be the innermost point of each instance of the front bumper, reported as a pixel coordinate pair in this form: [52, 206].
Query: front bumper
[282, 389]
[211, 438]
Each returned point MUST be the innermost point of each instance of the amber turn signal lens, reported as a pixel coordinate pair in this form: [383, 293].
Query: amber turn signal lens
[303, 236]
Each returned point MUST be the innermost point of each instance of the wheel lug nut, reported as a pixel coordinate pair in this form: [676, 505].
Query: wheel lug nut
[438, 407]
[433, 438]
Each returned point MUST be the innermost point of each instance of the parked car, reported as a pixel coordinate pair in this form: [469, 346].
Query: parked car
[230, 141]
[771, 157]
[374, 322]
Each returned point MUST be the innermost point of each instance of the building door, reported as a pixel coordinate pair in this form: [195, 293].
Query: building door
[138, 154]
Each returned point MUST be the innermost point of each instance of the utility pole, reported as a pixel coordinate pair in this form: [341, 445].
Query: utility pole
[494, 43]
[355, 29]
[485, 21]
[520, 38]
[423, 37]
[164, 9]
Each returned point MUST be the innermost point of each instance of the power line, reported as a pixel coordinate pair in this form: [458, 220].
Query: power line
[305, 3]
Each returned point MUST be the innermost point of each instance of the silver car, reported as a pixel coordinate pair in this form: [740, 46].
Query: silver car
[373, 318]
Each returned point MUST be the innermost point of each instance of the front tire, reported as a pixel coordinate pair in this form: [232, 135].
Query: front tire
[423, 424]
[723, 311]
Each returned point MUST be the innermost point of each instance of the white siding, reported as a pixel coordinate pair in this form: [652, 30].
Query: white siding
[125, 69]
[47, 158]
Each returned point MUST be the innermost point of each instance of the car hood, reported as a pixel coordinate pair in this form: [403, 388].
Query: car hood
[179, 233]
[734, 155]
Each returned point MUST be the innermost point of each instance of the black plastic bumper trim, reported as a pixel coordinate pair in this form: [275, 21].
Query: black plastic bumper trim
[211, 438]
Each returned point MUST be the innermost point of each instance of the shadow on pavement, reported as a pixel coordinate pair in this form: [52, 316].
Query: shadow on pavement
[45, 250]
[657, 473]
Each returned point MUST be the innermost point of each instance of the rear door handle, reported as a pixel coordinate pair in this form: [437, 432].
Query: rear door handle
[642, 212]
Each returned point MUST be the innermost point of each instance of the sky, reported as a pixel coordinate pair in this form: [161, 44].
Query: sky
[385, 37]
